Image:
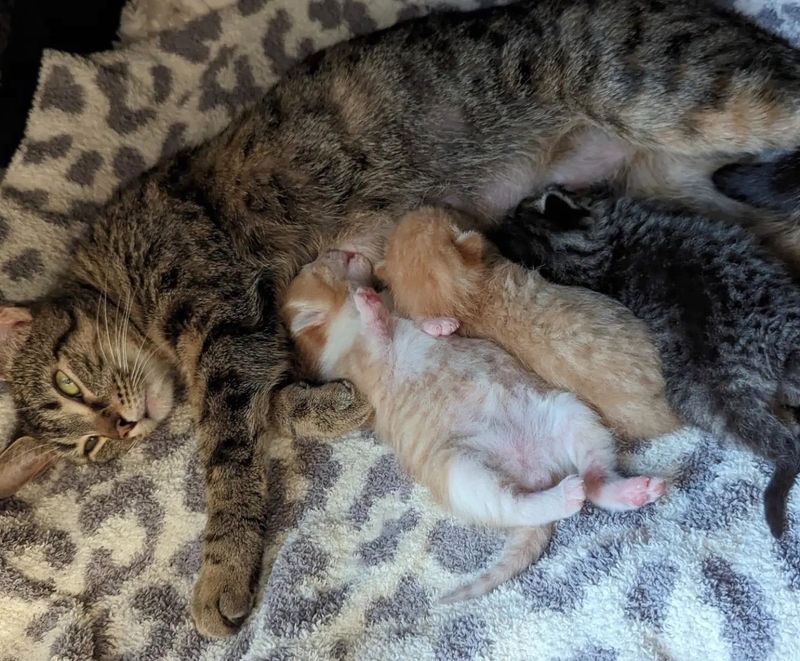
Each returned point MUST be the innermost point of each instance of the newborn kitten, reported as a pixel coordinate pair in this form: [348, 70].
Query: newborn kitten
[464, 418]
[574, 338]
[725, 313]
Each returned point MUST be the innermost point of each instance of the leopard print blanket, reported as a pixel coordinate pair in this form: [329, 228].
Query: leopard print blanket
[98, 562]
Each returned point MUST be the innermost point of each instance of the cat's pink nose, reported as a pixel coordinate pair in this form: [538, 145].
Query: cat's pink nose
[124, 427]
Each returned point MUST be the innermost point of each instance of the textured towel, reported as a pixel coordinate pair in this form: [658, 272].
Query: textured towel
[99, 561]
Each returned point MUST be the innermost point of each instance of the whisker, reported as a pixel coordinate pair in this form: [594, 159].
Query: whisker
[128, 309]
[135, 367]
[97, 331]
[48, 452]
[105, 316]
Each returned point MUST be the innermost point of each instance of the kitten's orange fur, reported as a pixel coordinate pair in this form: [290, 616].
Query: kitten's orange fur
[490, 440]
[573, 338]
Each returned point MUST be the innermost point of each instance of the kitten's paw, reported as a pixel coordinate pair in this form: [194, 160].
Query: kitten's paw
[222, 599]
[372, 310]
[440, 326]
[639, 491]
[573, 494]
[367, 298]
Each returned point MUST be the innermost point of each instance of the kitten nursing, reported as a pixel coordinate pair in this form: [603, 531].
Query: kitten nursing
[488, 438]
[724, 312]
[573, 338]
[480, 107]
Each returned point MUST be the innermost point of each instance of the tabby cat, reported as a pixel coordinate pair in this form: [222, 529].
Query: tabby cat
[477, 108]
[724, 311]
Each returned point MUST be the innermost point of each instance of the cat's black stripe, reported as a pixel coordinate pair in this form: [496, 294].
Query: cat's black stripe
[64, 337]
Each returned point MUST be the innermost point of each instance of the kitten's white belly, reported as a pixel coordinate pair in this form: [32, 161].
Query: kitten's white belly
[470, 392]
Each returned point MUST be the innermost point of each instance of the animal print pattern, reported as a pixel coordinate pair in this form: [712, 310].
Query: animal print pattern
[98, 561]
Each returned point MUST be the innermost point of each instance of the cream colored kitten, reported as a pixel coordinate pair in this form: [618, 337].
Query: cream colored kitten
[491, 442]
[574, 338]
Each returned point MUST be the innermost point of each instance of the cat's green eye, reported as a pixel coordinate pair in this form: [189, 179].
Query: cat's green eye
[66, 385]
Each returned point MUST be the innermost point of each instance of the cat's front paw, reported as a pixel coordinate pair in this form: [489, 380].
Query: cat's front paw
[325, 411]
[439, 326]
[222, 599]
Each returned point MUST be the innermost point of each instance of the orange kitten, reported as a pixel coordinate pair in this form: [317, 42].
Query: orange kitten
[465, 419]
[573, 338]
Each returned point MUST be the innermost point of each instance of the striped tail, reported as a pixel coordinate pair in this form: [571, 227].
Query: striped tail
[523, 547]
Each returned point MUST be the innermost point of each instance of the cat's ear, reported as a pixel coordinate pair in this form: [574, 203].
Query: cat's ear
[22, 461]
[306, 316]
[15, 324]
[470, 245]
[560, 207]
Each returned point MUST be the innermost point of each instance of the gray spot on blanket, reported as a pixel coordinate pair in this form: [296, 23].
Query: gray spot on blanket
[384, 546]
[463, 638]
[648, 599]
[128, 163]
[189, 41]
[408, 604]
[245, 90]
[383, 478]
[162, 82]
[74, 644]
[113, 82]
[748, 627]
[28, 264]
[290, 612]
[274, 43]
[463, 549]
[85, 167]
[38, 151]
[563, 591]
[60, 91]
[248, 7]
[331, 14]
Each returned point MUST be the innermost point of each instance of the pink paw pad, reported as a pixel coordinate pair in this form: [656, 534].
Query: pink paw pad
[639, 491]
[573, 492]
[440, 326]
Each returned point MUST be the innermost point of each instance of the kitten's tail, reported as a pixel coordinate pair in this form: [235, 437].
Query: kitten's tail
[523, 547]
[755, 424]
[777, 495]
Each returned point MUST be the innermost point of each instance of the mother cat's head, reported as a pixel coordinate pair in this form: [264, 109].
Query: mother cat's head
[86, 384]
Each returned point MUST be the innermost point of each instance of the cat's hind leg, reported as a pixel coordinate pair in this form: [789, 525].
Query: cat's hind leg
[595, 460]
[477, 492]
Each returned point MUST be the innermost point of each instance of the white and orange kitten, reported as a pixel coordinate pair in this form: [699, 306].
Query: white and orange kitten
[492, 443]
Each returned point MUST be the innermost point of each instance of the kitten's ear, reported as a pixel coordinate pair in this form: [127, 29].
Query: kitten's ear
[22, 461]
[470, 245]
[306, 316]
[15, 324]
[560, 207]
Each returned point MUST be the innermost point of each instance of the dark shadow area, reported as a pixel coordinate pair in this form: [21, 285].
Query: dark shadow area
[27, 27]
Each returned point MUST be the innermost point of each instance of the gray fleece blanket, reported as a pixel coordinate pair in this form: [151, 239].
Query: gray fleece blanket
[98, 562]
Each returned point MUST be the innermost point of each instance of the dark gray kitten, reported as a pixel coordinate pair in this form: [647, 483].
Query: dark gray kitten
[725, 313]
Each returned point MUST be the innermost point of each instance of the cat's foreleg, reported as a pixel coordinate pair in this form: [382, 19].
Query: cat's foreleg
[237, 370]
[478, 493]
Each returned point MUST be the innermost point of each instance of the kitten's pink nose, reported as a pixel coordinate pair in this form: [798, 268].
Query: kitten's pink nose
[124, 427]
